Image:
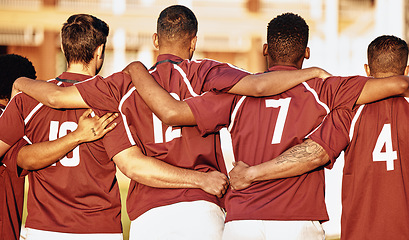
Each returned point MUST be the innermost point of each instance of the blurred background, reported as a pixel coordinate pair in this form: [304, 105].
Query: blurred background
[230, 31]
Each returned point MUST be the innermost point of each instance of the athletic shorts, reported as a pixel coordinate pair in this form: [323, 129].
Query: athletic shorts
[273, 230]
[199, 220]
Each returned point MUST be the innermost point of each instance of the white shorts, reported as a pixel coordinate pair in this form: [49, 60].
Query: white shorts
[199, 220]
[273, 230]
[34, 234]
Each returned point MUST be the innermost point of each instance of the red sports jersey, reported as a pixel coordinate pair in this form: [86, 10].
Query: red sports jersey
[79, 193]
[375, 198]
[182, 147]
[263, 128]
[11, 198]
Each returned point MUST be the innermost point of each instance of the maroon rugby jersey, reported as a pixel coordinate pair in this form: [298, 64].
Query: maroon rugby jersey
[79, 193]
[182, 147]
[375, 198]
[263, 128]
[11, 198]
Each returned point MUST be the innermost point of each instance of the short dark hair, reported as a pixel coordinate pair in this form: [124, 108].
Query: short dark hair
[176, 23]
[13, 66]
[81, 35]
[388, 54]
[287, 37]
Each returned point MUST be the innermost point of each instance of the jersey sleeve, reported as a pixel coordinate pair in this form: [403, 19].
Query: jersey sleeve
[342, 92]
[12, 122]
[212, 110]
[104, 93]
[333, 134]
[222, 77]
[118, 139]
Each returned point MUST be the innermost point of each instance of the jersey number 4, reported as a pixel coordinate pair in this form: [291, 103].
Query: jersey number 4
[385, 139]
[57, 131]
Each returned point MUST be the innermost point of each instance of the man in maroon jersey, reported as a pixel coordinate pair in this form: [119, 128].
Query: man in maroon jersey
[83, 182]
[375, 180]
[198, 213]
[11, 187]
[262, 128]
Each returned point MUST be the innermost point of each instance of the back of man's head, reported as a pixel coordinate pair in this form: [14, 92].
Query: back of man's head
[80, 37]
[13, 66]
[287, 38]
[387, 54]
[176, 24]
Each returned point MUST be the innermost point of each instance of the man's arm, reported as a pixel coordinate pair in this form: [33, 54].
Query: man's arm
[379, 88]
[169, 110]
[50, 94]
[41, 155]
[173, 112]
[272, 83]
[295, 161]
[155, 173]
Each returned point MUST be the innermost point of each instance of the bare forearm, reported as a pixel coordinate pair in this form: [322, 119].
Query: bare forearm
[169, 110]
[50, 94]
[295, 161]
[155, 173]
[379, 88]
[43, 154]
[275, 82]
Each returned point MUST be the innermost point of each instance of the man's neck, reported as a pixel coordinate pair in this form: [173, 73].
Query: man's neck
[81, 69]
[184, 54]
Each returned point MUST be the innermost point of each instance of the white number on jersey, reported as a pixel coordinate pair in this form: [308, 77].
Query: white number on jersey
[283, 104]
[57, 131]
[385, 139]
[170, 133]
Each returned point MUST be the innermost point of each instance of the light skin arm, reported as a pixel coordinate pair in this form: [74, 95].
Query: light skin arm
[295, 161]
[55, 97]
[43, 154]
[379, 88]
[155, 173]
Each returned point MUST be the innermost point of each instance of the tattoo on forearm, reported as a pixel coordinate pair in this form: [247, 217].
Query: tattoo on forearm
[93, 131]
[301, 153]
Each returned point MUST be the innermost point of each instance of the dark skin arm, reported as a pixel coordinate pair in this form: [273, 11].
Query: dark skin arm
[155, 173]
[177, 113]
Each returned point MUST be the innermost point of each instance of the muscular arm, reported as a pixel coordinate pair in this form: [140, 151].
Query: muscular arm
[43, 154]
[155, 173]
[379, 88]
[50, 94]
[173, 112]
[297, 160]
[272, 83]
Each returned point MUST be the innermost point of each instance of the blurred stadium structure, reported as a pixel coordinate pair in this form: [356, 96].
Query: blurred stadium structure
[230, 30]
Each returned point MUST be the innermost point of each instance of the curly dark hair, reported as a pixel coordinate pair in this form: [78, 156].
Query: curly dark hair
[176, 23]
[287, 37]
[388, 54]
[13, 66]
